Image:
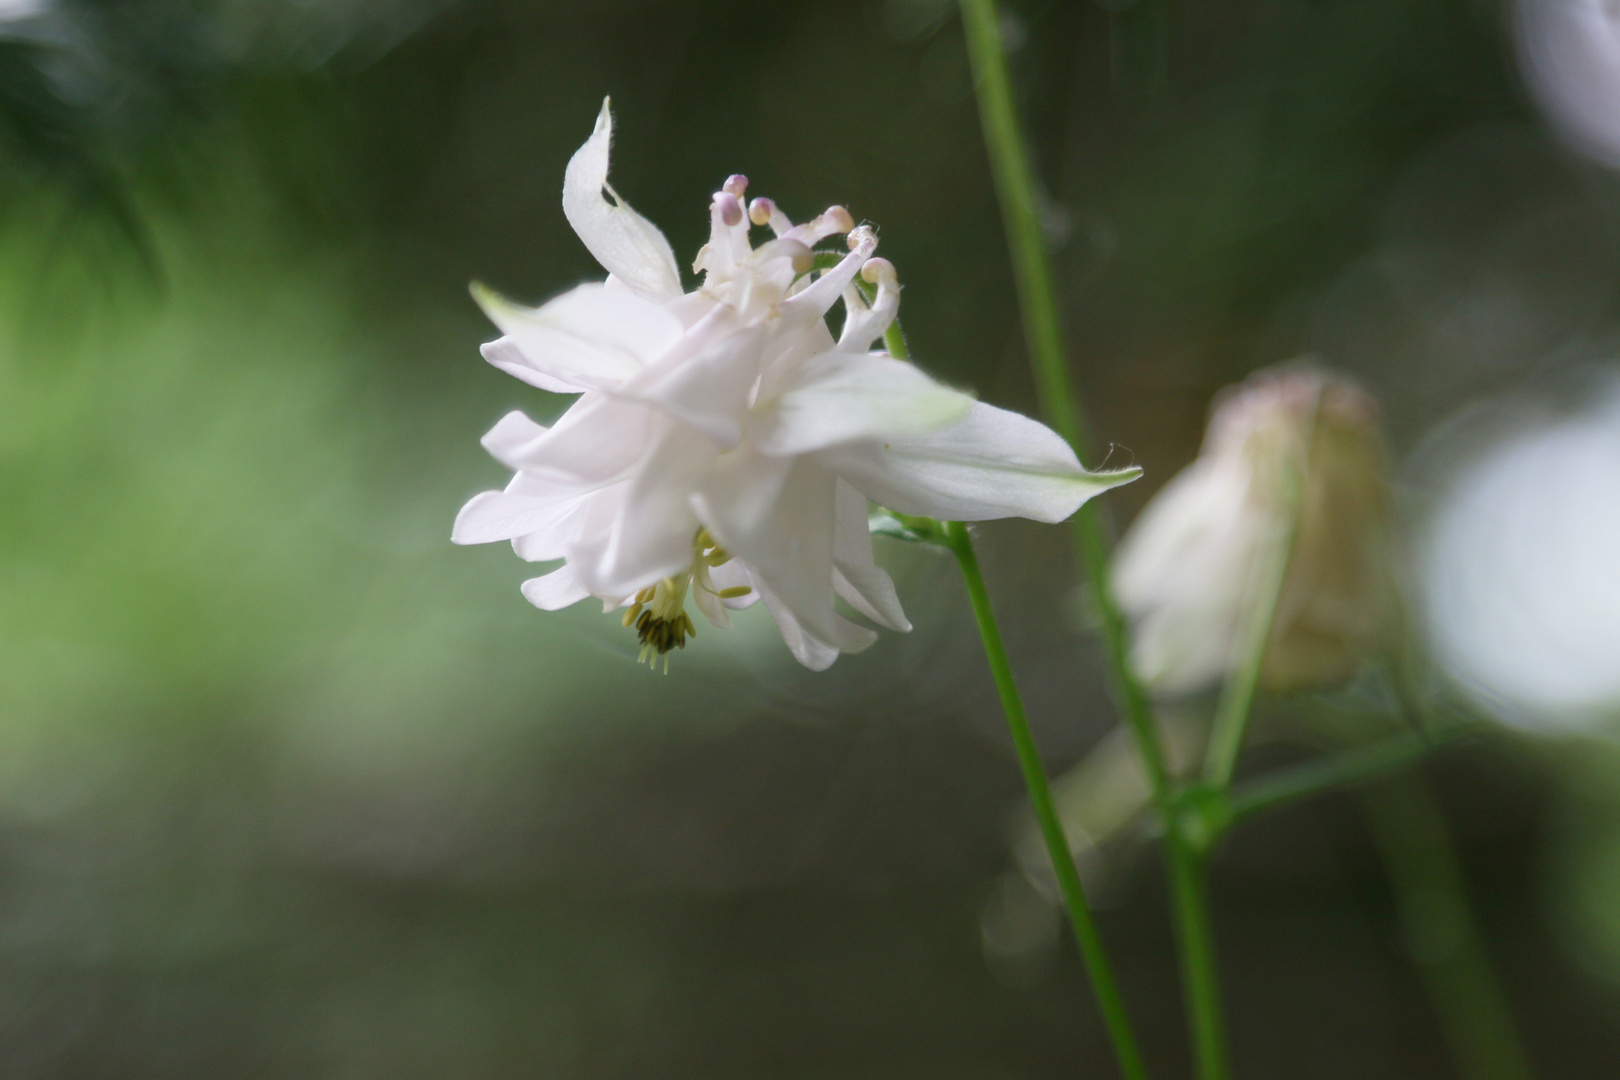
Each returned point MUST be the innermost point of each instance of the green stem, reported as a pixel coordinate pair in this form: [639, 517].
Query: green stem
[1196, 939]
[1032, 274]
[1237, 693]
[1420, 858]
[1333, 771]
[1040, 797]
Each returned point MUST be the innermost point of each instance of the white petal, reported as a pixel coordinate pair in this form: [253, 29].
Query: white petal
[501, 515]
[589, 338]
[503, 354]
[596, 441]
[555, 590]
[994, 464]
[844, 397]
[732, 575]
[652, 532]
[704, 382]
[790, 547]
[551, 538]
[813, 301]
[807, 648]
[510, 434]
[626, 244]
[704, 596]
[865, 586]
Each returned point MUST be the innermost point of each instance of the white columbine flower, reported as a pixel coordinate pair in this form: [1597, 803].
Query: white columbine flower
[724, 444]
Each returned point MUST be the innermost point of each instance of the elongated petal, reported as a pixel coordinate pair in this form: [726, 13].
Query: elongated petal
[856, 577]
[626, 244]
[704, 382]
[596, 441]
[844, 397]
[509, 436]
[808, 648]
[652, 533]
[503, 354]
[502, 515]
[589, 338]
[555, 590]
[552, 536]
[994, 464]
[790, 546]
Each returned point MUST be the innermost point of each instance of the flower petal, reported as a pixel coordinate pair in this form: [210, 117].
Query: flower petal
[994, 464]
[626, 244]
[861, 582]
[555, 590]
[551, 537]
[844, 397]
[808, 648]
[502, 515]
[507, 438]
[787, 540]
[595, 442]
[589, 338]
[704, 382]
[652, 531]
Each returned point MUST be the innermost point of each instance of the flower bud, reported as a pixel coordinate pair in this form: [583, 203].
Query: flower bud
[731, 210]
[1291, 451]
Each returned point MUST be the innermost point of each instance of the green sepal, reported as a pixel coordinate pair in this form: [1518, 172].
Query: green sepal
[916, 530]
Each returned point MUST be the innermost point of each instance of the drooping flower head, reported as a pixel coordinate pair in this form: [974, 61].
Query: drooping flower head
[1290, 441]
[724, 443]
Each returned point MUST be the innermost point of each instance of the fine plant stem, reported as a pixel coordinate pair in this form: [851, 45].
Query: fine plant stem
[1237, 694]
[1418, 853]
[1331, 771]
[1040, 797]
[1032, 273]
[1195, 936]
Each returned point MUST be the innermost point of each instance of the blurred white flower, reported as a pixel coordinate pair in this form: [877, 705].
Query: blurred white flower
[1520, 568]
[724, 443]
[1186, 571]
[1570, 53]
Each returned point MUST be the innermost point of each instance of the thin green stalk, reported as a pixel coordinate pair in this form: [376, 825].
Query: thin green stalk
[1009, 164]
[1040, 797]
[1332, 771]
[1189, 873]
[1033, 276]
[1420, 858]
[1237, 693]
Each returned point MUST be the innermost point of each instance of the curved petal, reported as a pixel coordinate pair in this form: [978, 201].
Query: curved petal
[552, 535]
[589, 338]
[651, 533]
[856, 577]
[502, 515]
[595, 442]
[555, 590]
[626, 244]
[807, 647]
[731, 575]
[994, 464]
[503, 354]
[780, 521]
[511, 433]
[845, 397]
[705, 381]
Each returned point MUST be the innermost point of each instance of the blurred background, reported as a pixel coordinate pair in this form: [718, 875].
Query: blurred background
[290, 787]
